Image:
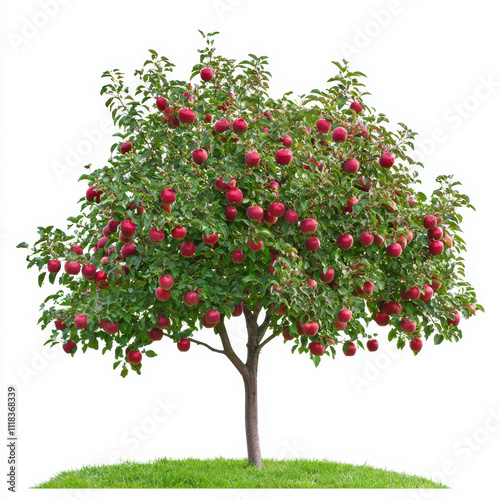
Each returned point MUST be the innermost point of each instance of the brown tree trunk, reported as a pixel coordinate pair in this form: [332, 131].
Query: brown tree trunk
[252, 416]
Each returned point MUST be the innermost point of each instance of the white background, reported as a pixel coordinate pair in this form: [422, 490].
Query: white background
[427, 63]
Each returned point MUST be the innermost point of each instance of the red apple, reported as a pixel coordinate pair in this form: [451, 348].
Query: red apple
[124, 239]
[220, 126]
[408, 326]
[134, 357]
[344, 315]
[88, 270]
[212, 316]
[156, 236]
[416, 345]
[255, 247]
[372, 345]
[378, 240]
[328, 276]
[230, 213]
[340, 325]
[382, 319]
[200, 156]
[69, 346]
[339, 134]
[351, 166]
[291, 216]
[287, 334]
[187, 249]
[386, 160]
[362, 186]
[356, 106]
[186, 115]
[113, 225]
[429, 292]
[155, 334]
[436, 247]
[345, 241]
[252, 159]
[310, 329]
[166, 282]
[283, 157]
[238, 310]
[312, 283]
[323, 125]
[77, 249]
[191, 298]
[128, 249]
[394, 250]
[163, 322]
[72, 267]
[111, 327]
[167, 196]
[128, 228]
[268, 218]
[366, 238]
[430, 222]
[239, 125]
[125, 148]
[255, 213]
[308, 226]
[237, 257]
[435, 234]
[435, 285]
[277, 209]
[208, 118]
[287, 141]
[392, 307]
[274, 186]
[413, 293]
[312, 244]
[456, 319]
[352, 349]
[162, 294]
[234, 196]
[351, 201]
[179, 232]
[183, 345]
[210, 240]
[206, 74]
[316, 349]
[59, 324]
[80, 322]
[53, 266]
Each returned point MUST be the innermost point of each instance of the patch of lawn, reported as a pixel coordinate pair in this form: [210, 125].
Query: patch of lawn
[235, 473]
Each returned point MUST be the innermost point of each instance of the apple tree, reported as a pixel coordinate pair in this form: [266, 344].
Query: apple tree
[301, 213]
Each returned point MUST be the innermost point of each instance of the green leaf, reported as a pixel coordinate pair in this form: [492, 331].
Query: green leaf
[22, 245]
[150, 354]
[438, 338]
[41, 277]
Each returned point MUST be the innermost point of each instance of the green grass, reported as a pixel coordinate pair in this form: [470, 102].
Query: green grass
[235, 473]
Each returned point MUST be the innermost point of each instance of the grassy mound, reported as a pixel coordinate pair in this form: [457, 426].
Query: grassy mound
[235, 473]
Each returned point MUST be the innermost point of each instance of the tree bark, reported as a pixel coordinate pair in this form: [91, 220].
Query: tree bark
[252, 417]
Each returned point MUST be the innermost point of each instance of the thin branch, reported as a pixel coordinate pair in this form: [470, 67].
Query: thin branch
[271, 337]
[199, 343]
[228, 349]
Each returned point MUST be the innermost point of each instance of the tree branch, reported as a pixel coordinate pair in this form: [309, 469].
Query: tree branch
[199, 343]
[271, 337]
[228, 349]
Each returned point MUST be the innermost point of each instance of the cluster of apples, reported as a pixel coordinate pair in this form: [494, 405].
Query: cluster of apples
[436, 234]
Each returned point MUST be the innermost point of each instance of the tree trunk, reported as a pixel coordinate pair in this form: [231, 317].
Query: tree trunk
[251, 416]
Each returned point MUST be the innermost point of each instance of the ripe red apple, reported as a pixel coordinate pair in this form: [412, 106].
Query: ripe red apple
[191, 298]
[187, 249]
[274, 186]
[156, 236]
[435, 234]
[408, 326]
[352, 349]
[199, 156]
[72, 267]
[163, 322]
[362, 186]
[124, 239]
[230, 213]
[134, 357]
[392, 307]
[252, 159]
[77, 249]
[430, 222]
[291, 216]
[323, 125]
[59, 324]
[448, 241]
[88, 270]
[166, 282]
[312, 283]
[206, 74]
[167, 196]
[110, 327]
[456, 319]
[310, 329]
[179, 232]
[128, 228]
[435, 285]
[339, 134]
[367, 289]
[234, 196]
[316, 349]
[220, 126]
[100, 279]
[106, 232]
[238, 310]
[80, 322]
[382, 319]
[186, 115]
[155, 334]
[416, 345]
[378, 240]
[277, 209]
[345, 241]
[101, 242]
[386, 160]
[183, 345]
[413, 293]
[212, 316]
[312, 244]
[69, 346]
[53, 266]
[113, 225]
[283, 157]
[287, 334]
[328, 276]
[255, 247]
[356, 106]
[351, 201]
[128, 249]
[237, 257]
[268, 218]
[162, 294]
[429, 292]
[255, 212]
[372, 345]
[308, 226]
[161, 103]
[210, 240]
[344, 315]
[394, 250]
[208, 118]
[351, 166]
[436, 247]
[340, 325]
[125, 148]
[366, 238]
[239, 125]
